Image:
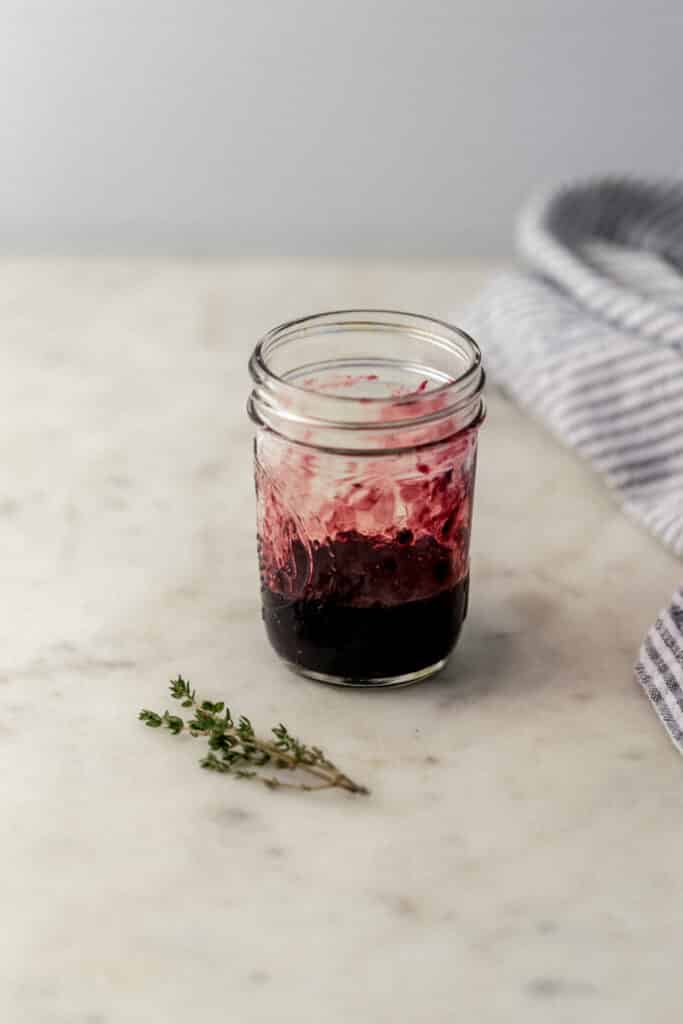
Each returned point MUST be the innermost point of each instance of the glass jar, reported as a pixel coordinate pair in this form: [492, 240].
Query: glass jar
[365, 450]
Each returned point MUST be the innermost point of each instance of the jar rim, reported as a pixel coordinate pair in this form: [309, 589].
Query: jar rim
[263, 374]
[330, 420]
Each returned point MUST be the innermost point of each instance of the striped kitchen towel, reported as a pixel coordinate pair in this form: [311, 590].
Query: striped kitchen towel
[589, 335]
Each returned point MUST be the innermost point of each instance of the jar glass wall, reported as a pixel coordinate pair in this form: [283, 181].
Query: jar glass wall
[365, 452]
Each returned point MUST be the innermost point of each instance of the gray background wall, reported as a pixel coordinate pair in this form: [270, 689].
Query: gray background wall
[353, 127]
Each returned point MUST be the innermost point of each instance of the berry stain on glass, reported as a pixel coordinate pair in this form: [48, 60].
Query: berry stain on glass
[365, 449]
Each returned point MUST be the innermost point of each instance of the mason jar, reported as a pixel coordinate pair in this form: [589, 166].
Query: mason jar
[365, 451]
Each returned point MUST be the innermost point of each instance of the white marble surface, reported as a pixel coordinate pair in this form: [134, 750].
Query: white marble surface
[519, 858]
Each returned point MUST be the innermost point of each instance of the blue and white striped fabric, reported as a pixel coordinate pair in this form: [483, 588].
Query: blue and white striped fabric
[589, 336]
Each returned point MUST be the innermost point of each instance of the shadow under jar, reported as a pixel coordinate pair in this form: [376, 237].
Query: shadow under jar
[365, 450]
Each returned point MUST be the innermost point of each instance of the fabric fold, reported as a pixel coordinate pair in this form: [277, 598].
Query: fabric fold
[588, 335]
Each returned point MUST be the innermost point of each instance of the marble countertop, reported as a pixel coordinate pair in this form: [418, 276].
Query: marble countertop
[519, 858]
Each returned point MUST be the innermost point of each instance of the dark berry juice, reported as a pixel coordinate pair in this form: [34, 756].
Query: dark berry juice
[376, 610]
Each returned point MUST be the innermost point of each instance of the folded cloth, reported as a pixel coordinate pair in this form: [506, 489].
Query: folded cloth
[589, 336]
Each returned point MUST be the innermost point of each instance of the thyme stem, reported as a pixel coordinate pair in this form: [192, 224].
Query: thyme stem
[235, 749]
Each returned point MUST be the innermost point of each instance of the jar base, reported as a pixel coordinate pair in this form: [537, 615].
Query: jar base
[408, 679]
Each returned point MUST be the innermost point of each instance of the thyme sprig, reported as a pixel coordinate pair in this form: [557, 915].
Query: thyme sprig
[235, 749]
